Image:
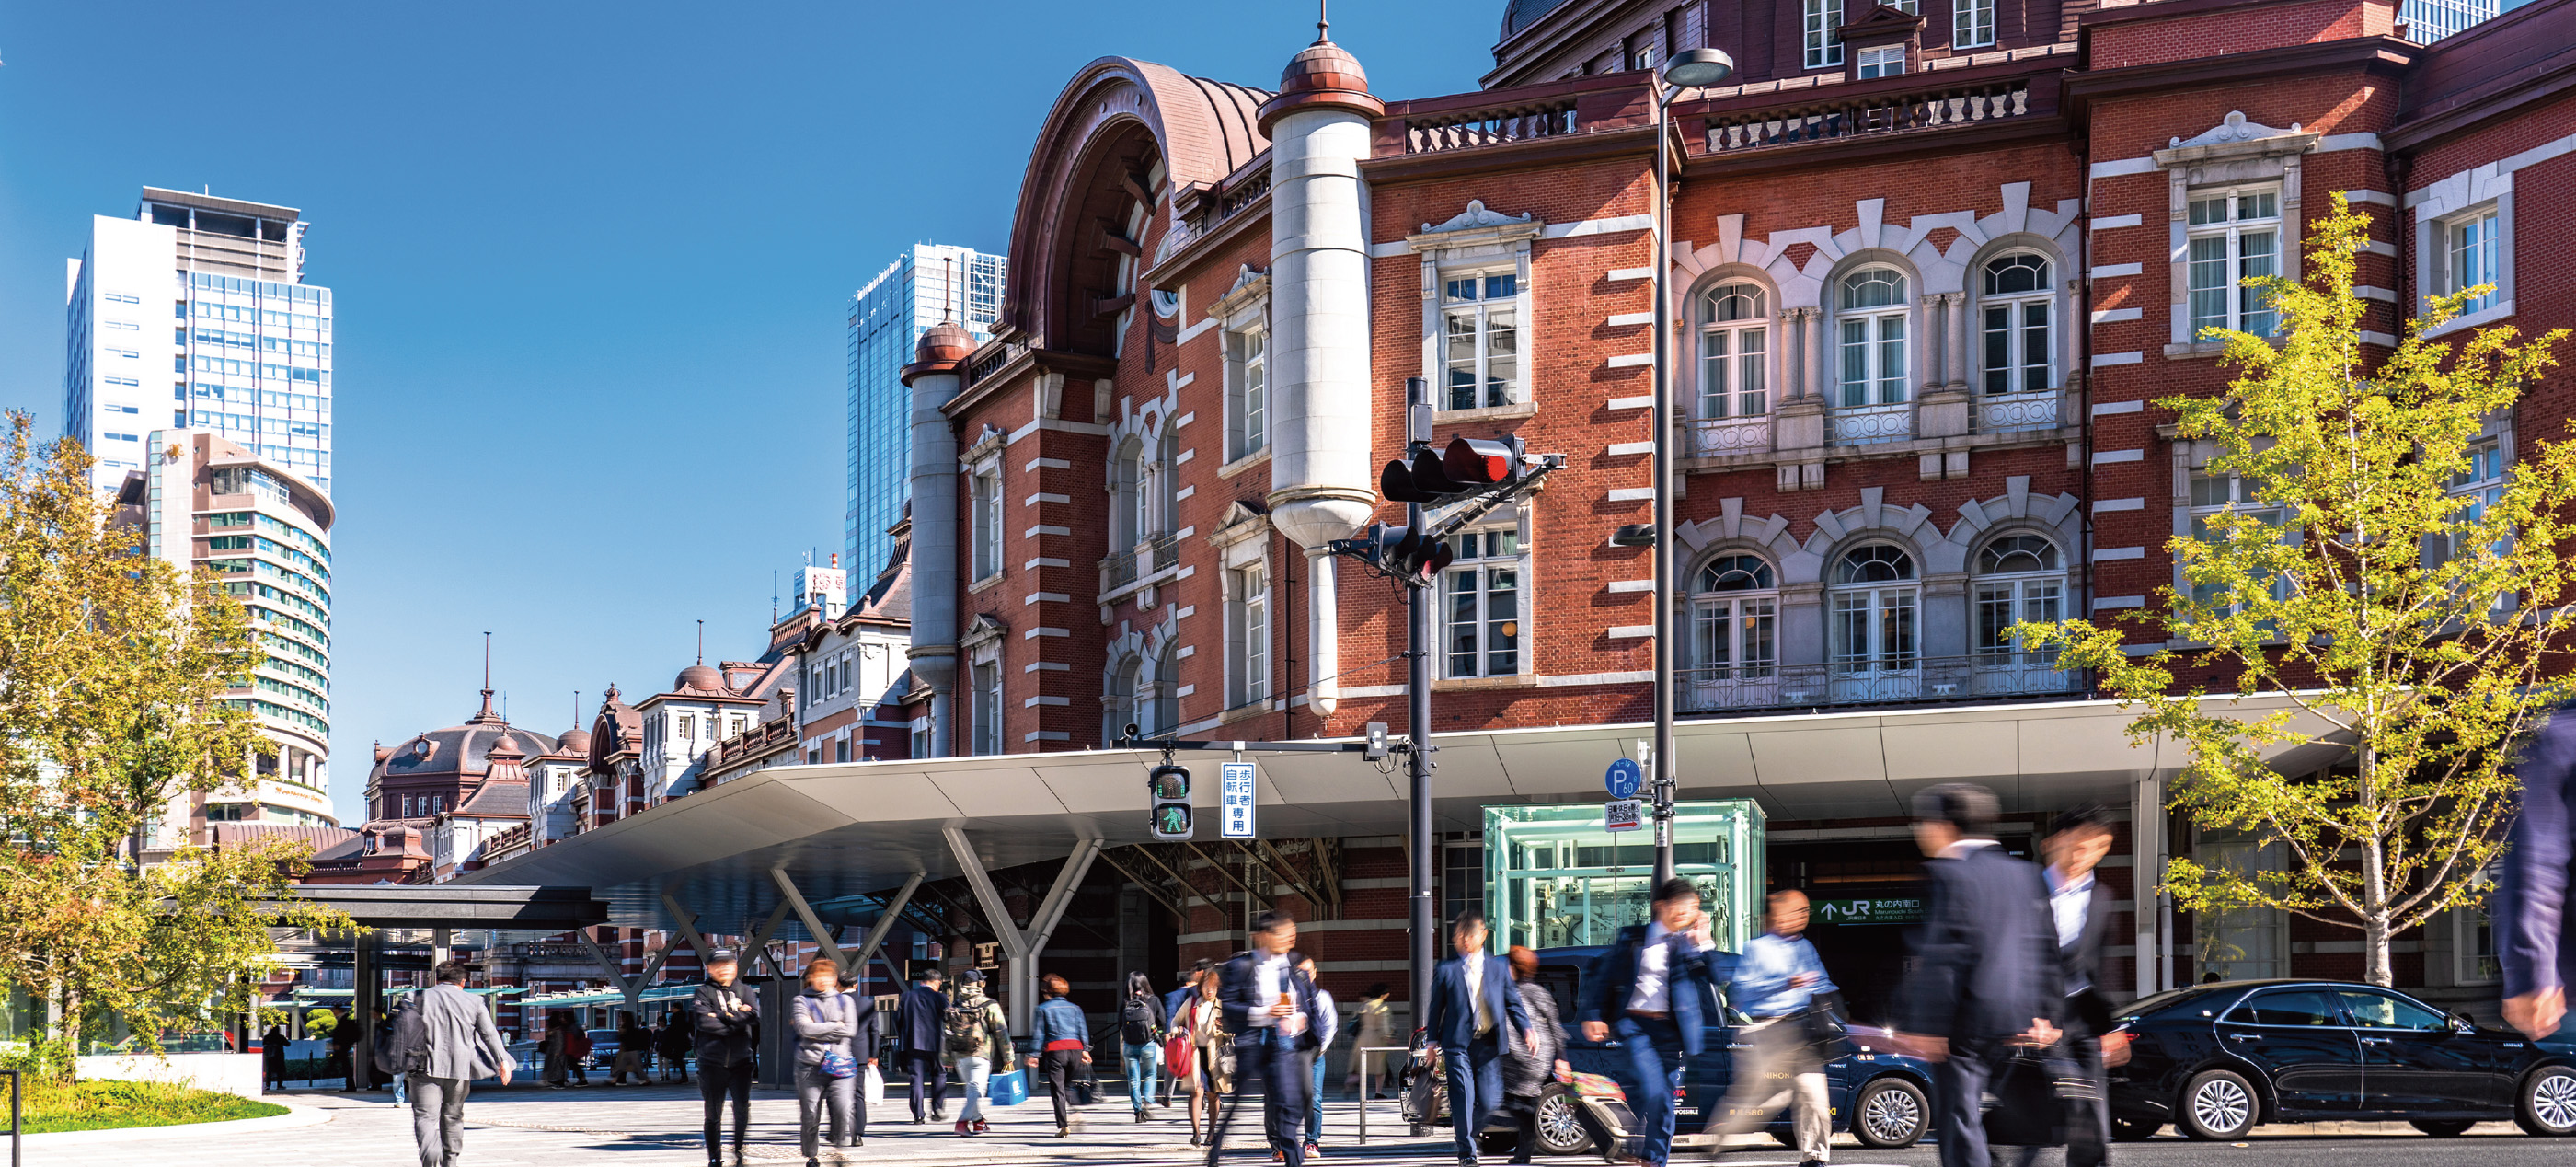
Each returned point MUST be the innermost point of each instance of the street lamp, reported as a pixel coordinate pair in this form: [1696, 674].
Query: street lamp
[1688, 69]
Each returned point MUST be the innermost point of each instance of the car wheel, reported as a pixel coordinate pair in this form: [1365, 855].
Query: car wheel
[2548, 1103]
[1560, 1128]
[2134, 1130]
[1890, 1112]
[2219, 1105]
[2442, 1128]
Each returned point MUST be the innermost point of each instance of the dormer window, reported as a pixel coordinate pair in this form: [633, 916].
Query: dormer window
[1880, 61]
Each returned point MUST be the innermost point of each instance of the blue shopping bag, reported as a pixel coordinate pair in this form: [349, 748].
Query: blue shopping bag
[1009, 1089]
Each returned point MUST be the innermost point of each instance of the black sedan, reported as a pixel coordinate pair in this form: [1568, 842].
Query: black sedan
[2216, 1059]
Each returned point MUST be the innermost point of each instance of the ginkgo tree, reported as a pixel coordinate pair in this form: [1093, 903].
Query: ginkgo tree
[2357, 604]
[114, 671]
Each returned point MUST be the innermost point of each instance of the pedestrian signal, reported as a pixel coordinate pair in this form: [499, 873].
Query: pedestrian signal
[1169, 789]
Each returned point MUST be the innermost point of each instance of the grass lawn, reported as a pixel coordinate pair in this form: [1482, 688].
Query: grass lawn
[91, 1106]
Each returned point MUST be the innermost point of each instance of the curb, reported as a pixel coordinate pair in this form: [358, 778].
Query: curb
[295, 1116]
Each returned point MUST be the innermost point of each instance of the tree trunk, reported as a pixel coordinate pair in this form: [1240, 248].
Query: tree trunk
[2374, 952]
[70, 1029]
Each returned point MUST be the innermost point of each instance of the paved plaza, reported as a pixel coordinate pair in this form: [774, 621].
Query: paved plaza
[655, 1125]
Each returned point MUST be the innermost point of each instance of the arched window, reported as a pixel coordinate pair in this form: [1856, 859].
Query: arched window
[1734, 321]
[2019, 578]
[1118, 705]
[2018, 300]
[1871, 311]
[1873, 602]
[1734, 616]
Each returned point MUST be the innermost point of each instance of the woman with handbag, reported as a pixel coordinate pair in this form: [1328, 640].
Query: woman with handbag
[833, 1031]
[1213, 1048]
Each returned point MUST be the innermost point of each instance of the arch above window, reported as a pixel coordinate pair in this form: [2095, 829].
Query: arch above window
[1730, 302]
[2016, 273]
[1875, 563]
[1873, 287]
[2012, 554]
[1733, 573]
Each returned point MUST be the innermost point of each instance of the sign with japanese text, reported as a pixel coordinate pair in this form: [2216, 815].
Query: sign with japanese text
[1237, 801]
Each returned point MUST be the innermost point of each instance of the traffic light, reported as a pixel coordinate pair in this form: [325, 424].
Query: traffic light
[1466, 466]
[1415, 557]
[1169, 788]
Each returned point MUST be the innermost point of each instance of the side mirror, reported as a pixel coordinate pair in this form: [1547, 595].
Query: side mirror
[2463, 1023]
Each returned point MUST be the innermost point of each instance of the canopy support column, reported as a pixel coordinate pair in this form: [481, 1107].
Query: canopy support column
[1022, 946]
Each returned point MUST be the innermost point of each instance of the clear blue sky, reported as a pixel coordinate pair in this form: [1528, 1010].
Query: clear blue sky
[590, 264]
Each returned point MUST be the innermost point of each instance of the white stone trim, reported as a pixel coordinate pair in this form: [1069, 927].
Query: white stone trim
[2102, 602]
[2111, 360]
[2115, 457]
[1631, 360]
[2107, 408]
[2116, 554]
[1631, 631]
[2107, 506]
[2113, 270]
[1632, 494]
[1627, 449]
[2116, 315]
[2115, 222]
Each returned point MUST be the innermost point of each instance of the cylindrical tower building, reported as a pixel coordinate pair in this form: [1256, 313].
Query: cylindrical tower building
[933, 378]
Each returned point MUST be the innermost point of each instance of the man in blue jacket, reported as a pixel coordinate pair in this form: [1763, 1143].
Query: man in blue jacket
[1272, 1013]
[1652, 991]
[1471, 999]
[918, 1015]
[2531, 895]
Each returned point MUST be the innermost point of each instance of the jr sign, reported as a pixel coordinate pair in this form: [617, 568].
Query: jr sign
[1886, 911]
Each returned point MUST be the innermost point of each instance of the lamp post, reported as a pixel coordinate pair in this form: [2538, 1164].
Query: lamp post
[1688, 69]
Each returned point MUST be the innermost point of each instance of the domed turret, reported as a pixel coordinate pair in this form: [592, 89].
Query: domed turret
[704, 678]
[1323, 75]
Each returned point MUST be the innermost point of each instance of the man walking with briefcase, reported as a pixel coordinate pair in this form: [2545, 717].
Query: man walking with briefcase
[1778, 984]
[2080, 907]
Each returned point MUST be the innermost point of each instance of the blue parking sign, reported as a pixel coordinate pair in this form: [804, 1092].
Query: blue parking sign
[1625, 778]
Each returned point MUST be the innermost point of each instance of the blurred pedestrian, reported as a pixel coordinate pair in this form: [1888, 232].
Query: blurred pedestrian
[1986, 977]
[918, 1017]
[443, 1040]
[1644, 993]
[1140, 1036]
[728, 1039]
[555, 1046]
[1270, 1010]
[1776, 984]
[836, 1040]
[634, 1044]
[977, 1040]
[2080, 907]
[1173, 1003]
[272, 1057]
[1472, 999]
[1527, 1069]
[671, 1041]
[1063, 1042]
[1328, 1023]
[2533, 944]
[1212, 1048]
[1375, 1027]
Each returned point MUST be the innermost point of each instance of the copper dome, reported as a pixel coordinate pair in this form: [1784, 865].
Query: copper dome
[1321, 75]
[704, 678]
[944, 343]
[574, 741]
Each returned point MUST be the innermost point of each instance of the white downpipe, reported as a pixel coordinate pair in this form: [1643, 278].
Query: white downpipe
[1323, 632]
[934, 553]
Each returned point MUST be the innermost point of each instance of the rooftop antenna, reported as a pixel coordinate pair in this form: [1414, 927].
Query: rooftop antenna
[576, 709]
[1323, 22]
[773, 595]
[702, 642]
[948, 286]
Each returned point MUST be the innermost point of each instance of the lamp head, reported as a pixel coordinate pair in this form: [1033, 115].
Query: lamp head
[1699, 68]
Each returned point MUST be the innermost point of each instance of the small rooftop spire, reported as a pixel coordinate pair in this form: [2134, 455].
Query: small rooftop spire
[486, 716]
[1323, 22]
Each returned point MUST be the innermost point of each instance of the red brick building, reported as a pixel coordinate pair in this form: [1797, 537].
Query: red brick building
[1928, 269]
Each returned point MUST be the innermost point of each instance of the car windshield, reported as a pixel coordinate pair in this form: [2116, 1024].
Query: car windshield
[2169, 999]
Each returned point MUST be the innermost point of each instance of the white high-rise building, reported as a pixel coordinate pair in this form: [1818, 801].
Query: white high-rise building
[2427, 21]
[926, 284]
[194, 315]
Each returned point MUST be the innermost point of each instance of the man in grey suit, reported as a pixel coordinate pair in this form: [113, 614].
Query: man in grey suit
[1987, 973]
[444, 1040]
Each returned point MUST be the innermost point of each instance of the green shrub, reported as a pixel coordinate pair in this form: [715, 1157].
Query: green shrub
[104, 1105]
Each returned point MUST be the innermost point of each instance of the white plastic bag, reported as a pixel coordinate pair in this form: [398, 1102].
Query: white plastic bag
[871, 1086]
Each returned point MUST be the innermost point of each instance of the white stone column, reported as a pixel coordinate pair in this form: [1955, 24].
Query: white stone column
[1936, 342]
[1821, 382]
[1957, 350]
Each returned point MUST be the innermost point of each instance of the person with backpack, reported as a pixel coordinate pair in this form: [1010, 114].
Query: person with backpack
[975, 1037]
[1140, 1036]
[835, 1037]
[443, 1039]
[920, 1016]
[671, 1040]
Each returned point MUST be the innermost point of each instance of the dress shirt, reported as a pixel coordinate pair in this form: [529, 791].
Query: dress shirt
[1765, 979]
[1328, 1023]
[2068, 902]
[1960, 849]
[1653, 992]
[1270, 976]
[1473, 964]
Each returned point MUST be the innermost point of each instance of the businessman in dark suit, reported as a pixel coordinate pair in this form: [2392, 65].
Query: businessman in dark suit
[1474, 1010]
[2533, 944]
[918, 1015]
[2079, 907]
[1987, 972]
[1651, 990]
[1272, 1012]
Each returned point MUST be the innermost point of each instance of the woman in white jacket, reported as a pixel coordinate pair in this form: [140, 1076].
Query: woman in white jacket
[828, 1021]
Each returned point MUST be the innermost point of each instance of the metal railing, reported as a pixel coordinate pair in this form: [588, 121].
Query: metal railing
[1858, 424]
[1880, 681]
[1711, 437]
[1831, 116]
[1154, 556]
[2003, 413]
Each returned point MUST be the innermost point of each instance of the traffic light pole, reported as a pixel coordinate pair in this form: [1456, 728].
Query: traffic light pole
[1423, 918]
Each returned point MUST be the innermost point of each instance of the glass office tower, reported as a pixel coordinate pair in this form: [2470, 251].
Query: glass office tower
[926, 284]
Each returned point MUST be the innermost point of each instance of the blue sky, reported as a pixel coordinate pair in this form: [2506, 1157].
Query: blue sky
[590, 264]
